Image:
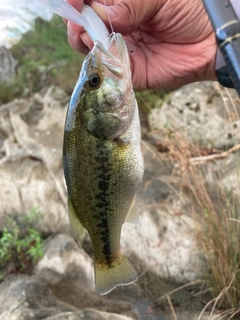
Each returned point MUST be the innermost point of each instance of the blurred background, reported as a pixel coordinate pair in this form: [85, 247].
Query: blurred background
[18, 17]
[186, 248]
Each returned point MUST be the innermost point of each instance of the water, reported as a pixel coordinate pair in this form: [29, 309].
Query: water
[16, 17]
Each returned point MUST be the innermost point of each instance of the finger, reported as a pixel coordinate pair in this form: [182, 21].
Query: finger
[107, 2]
[75, 28]
[78, 45]
[87, 41]
[126, 15]
[75, 40]
[78, 5]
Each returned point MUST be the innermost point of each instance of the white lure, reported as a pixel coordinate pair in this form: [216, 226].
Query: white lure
[88, 19]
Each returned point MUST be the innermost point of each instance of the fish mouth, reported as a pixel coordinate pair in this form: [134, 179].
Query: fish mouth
[115, 58]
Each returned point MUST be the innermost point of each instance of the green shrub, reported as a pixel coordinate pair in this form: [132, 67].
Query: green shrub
[21, 246]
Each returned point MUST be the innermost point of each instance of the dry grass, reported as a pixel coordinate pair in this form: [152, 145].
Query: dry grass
[217, 216]
[215, 207]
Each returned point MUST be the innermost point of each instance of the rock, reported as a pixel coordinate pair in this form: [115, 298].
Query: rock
[31, 175]
[28, 298]
[225, 173]
[167, 246]
[70, 274]
[88, 314]
[7, 65]
[31, 172]
[155, 186]
[63, 260]
[201, 115]
[164, 242]
[163, 248]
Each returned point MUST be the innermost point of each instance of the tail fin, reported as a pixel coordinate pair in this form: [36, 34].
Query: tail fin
[120, 273]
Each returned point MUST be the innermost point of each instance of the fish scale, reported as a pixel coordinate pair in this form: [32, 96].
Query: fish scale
[102, 160]
[110, 195]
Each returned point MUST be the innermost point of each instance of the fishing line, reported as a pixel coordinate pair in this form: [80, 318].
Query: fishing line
[143, 266]
[110, 22]
[140, 233]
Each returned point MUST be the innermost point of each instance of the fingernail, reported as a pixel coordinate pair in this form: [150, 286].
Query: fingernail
[100, 9]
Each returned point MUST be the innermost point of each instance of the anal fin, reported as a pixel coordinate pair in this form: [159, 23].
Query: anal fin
[78, 228]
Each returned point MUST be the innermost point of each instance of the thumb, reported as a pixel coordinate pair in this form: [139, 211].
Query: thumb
[126, 16]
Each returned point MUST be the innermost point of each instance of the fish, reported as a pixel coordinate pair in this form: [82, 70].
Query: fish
[102, 159]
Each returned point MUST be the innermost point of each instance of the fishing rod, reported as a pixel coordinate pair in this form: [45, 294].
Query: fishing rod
[227, 29]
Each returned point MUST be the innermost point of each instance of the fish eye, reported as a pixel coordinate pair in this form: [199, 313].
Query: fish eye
[94, 80]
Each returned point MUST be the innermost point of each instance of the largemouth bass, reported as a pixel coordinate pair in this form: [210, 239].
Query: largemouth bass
[102, 159]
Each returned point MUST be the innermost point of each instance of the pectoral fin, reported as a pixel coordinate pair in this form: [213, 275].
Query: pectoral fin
[78, 228]
[132, 216]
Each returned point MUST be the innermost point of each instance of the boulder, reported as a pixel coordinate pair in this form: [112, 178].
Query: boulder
[70, 274]
[63, 260]
[31, 172]
[163, 247]
[203, 113]
[164, 242]
[29, 298]
[31, 175]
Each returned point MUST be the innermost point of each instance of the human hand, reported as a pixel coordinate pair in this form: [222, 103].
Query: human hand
[174, 43]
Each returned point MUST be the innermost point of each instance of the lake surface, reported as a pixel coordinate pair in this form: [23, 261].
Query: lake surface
[16, 17]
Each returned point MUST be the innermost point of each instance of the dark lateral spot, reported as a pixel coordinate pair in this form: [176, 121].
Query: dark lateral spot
[101, 205]
[101, 197]
[102, 168]
[103, 224]
[107, 250]
[104, 176]
[100, 151]
[229, 136]
[103, 185]
[102, 214]
[104, 236]
[101, 159]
